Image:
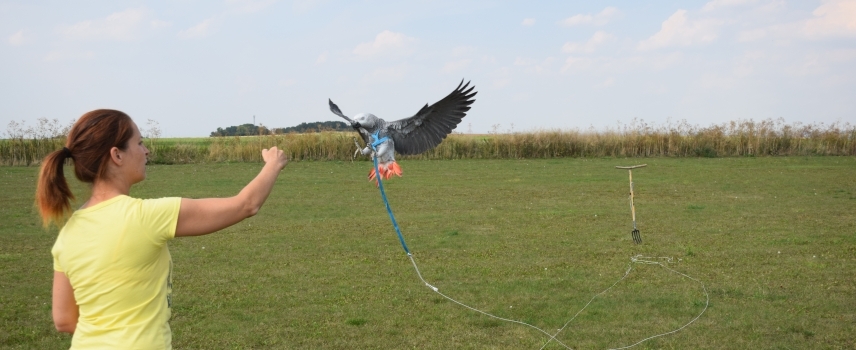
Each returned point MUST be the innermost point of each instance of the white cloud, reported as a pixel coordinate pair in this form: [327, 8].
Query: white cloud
[577, 19]
[678, 30]
[456, 65]
[599, 19]
[528, 21]
[599, 38]
[752, 35]
[771, 6]
[200, 30]
[716, 4]
[249, 6]
[122, 26]
[833, 18]
[386, 43]
[17, 39]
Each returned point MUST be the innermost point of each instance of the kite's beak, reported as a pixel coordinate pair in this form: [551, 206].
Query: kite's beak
[356, 125]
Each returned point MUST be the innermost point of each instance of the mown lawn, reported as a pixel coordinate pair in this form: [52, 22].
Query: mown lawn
[773, 239]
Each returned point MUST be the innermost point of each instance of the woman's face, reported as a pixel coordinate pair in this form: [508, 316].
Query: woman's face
[137, 156]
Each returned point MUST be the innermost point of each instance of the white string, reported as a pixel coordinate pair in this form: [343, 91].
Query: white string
[437, 290]
[643, 260]
[638, 259]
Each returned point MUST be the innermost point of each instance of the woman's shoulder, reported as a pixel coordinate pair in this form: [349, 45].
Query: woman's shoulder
[165, 204]
[125, 202]
[168, 201]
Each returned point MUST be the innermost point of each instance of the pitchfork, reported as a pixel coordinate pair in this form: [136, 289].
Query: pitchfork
[637, 237]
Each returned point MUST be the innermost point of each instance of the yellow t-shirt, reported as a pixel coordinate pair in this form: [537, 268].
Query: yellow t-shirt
[116, 257]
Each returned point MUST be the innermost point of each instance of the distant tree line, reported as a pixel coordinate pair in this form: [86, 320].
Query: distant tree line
[252, 130]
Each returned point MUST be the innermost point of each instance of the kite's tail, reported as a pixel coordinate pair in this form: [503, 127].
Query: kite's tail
[386, 171]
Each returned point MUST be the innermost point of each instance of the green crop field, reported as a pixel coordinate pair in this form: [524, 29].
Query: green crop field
[773, 240]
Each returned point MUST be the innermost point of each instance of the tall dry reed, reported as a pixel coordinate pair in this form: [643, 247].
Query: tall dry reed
[733, 139]
[637, 139]
[27, 145]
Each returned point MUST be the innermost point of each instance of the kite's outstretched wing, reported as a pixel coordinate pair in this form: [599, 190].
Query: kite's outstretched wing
[431, 124]
[363, 133]
[335, 109]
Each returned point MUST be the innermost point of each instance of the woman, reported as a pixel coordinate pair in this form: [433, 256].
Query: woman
[112, 269]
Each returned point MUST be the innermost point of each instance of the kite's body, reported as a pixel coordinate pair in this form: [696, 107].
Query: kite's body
[413, 135]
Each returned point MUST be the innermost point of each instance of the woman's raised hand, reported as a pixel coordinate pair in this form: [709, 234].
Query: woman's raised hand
[275, 156]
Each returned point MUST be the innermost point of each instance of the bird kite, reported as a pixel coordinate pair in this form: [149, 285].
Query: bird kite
[419, 133]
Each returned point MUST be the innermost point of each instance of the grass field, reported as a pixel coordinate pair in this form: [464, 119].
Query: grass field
[772, 238]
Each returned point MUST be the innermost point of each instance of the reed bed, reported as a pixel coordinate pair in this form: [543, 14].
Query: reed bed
[728, 140]
[637, 139]
[27, 145]
[27, 151]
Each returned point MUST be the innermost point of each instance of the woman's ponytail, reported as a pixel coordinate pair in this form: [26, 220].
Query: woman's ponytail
[53, 197]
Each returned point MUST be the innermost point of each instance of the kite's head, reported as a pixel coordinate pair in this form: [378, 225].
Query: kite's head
[366, 121]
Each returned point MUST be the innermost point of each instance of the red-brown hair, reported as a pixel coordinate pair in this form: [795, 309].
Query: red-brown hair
[88, 145]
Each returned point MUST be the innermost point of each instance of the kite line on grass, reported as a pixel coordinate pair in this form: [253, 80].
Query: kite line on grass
[638, 259]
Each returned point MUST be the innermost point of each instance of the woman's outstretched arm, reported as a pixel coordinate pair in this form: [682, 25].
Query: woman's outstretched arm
[203, 216]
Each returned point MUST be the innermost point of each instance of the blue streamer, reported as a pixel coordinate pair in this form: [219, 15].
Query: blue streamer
[383, 193]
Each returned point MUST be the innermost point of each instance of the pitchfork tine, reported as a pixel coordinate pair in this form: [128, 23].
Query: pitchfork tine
[637, 237]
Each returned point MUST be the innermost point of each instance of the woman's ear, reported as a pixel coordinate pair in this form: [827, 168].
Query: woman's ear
[116, 156]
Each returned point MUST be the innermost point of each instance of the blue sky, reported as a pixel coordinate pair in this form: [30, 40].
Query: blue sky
[193, 66]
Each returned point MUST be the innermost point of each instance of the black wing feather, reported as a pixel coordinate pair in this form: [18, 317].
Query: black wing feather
[428, 127]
